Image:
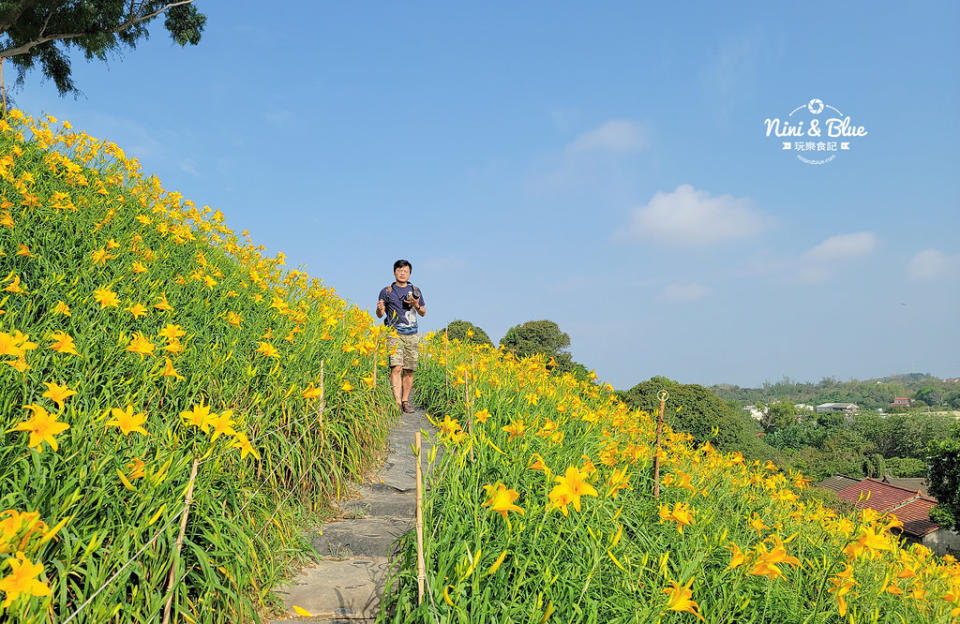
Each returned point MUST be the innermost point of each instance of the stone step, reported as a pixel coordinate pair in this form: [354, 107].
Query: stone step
[400, 474]
[337, 591]
[299, 619]
[313, 620]
[364, 537]
[379, 502]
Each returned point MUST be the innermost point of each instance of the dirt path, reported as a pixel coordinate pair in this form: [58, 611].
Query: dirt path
[346, 583]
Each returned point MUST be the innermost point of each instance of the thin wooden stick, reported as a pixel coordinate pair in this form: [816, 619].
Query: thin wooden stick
[468, 378]
[3, 88]
[421, 566]
[446, 366]
[662, 395]
[323, 396]
[183, 529]
[376, 346]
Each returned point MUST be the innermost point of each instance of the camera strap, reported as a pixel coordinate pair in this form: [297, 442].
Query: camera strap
[414, 290]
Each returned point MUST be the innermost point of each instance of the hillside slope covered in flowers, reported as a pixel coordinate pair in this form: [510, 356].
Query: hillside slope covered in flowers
[149, 356]
[542, 510]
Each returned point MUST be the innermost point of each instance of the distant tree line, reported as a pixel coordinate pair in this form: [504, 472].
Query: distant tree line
[867, 444]
[925, 391]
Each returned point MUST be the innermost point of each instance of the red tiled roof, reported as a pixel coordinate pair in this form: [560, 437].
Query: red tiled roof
[915, 516]
[915, 484]
[837, 482]
[883, 496]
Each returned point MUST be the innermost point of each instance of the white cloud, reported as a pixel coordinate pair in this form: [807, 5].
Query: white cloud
[687, 216]
[843, 246]
[931, 264]
[813, 274]
[599, 162]
[189, 166]
[818, 263]
[618, 136]
[684, 292]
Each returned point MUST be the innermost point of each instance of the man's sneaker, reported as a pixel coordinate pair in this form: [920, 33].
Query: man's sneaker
[407, 408]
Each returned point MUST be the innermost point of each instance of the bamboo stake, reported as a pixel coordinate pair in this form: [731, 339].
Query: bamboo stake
[313, 501]
[467, 378]
[446, 366]
[183, 529]
[323, 398]
[421, 566]
[376, 346]
[662, 395]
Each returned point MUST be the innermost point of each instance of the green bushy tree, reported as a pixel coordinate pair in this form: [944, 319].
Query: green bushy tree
[702, 414]
[906, 467]
[931, 395]
[945, 480]
[779, 415]
[466, 332]
[535, 337]
[544, 338]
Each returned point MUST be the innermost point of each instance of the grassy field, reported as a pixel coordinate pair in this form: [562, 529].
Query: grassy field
[150, 354]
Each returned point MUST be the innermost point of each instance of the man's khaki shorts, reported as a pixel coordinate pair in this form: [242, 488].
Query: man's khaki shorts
[403, 349]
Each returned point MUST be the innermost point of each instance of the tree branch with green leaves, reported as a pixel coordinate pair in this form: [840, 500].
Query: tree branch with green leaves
[40, 32]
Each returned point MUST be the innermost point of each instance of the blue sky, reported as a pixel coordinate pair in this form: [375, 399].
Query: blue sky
[602, 165]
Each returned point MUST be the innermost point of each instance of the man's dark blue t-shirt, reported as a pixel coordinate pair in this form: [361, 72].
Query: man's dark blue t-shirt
[400, 314]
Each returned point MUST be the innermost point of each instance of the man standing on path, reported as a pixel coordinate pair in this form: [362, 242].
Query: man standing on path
[399, 304]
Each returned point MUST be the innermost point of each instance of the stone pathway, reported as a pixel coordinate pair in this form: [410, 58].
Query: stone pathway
[346, 583]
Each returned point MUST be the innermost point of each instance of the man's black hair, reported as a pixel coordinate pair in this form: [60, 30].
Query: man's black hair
[399, 264]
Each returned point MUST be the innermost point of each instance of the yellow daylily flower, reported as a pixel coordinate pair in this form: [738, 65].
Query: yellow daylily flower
[243, 443]
[63, 343]
[199, 417]
[22, 580]
[501, 499]
[569, 489]
[679, 598]
[57, 393]
[43, 427]
[106, 298]
[127, 421]
[137, 310]
[140, 345]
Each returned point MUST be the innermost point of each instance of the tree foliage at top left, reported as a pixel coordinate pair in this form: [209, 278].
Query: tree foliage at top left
[41, 32]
